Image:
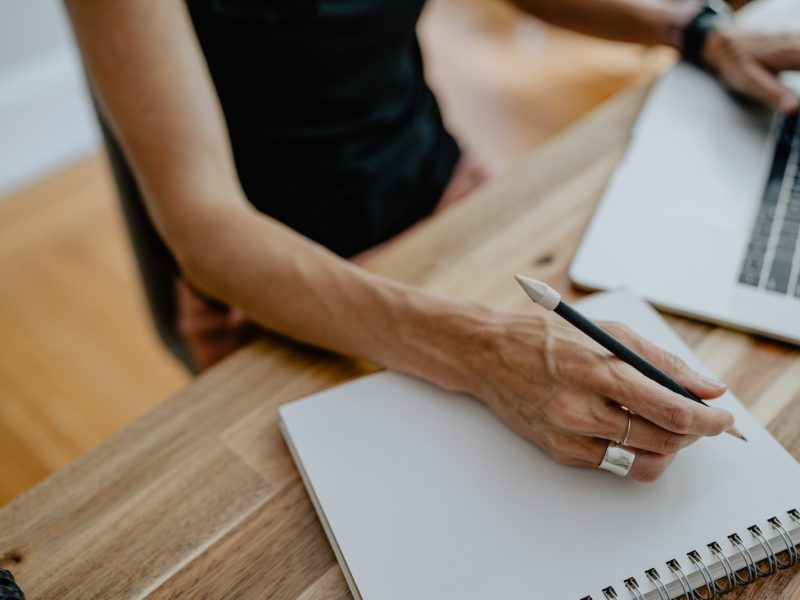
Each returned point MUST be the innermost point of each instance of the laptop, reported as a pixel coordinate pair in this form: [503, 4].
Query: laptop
[702, 216]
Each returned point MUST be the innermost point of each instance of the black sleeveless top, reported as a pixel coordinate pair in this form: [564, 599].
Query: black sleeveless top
[334, 130]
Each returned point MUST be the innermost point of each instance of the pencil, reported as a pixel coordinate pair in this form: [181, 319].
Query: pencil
[546, 297]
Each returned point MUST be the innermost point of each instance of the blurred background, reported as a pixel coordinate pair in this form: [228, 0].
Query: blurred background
[79, 358]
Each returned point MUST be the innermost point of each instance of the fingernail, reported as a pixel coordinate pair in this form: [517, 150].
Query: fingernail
[711, 382]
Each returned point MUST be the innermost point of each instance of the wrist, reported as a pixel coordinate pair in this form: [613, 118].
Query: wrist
[702, 28]
[681, 15]
[439, 339]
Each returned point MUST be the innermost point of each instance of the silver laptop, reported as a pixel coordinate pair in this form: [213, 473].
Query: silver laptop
[702, 217]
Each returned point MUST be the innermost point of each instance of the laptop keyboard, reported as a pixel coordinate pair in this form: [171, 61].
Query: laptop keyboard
[773, 257]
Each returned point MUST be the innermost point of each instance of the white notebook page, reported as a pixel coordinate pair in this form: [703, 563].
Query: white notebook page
[428, 495]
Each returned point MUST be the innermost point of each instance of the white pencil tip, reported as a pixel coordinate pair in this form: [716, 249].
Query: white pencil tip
[539, 292]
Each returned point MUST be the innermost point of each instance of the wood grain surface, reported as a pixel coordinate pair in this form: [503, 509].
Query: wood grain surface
[200, 498]
[79, 358]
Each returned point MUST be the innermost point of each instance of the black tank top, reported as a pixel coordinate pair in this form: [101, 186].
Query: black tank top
[334, 130]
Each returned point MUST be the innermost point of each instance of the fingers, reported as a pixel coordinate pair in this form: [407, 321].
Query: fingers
[643, 435]
[780, 52]
[665, 408]
[748, 64]
[672, 365]
[210, 331]
[670, 411]
[763, 85]
[582, 451]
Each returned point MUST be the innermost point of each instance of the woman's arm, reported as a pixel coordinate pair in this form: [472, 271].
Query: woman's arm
[538, 375]
[152, 83]
[746, 62]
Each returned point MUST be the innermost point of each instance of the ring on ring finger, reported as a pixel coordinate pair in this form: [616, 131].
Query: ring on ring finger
[627, 437]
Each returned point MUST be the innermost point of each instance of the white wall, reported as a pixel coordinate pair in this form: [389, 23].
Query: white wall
[46, 118]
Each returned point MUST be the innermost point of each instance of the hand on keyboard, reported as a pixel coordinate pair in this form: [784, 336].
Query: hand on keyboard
[749, 62]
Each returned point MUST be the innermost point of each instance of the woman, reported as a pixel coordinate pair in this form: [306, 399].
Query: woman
[271, 138]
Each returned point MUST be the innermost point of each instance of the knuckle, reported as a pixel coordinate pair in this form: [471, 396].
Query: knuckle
[619, 371]
[674, 362]
[554, 440]
[562, 443]
[571, 421]
[725, 42]
[552, 412]
[565, 417]
[679, 418]
[616, 382]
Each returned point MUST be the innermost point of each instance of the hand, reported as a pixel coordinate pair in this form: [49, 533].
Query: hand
[211, 331]
[748, 63]
[559, 389]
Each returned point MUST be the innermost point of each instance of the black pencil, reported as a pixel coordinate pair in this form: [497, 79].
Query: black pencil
[546, 297]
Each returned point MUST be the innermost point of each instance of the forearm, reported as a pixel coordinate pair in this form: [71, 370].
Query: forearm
[291, 285]
[151, 82]
[648, 22]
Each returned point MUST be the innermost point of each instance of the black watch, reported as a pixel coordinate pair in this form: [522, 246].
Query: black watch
[697, 30]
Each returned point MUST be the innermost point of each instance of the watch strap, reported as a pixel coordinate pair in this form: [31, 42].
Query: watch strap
[698, 28]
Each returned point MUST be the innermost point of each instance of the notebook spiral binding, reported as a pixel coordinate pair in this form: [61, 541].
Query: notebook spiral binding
[712, 588]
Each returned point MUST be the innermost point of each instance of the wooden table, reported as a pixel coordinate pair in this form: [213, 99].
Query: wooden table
[200, 498]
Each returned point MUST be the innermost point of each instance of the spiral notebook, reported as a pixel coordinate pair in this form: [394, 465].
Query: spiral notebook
[424, 494]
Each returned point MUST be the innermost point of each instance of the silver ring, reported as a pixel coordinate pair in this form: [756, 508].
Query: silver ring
[617, 459]
[627, 437]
